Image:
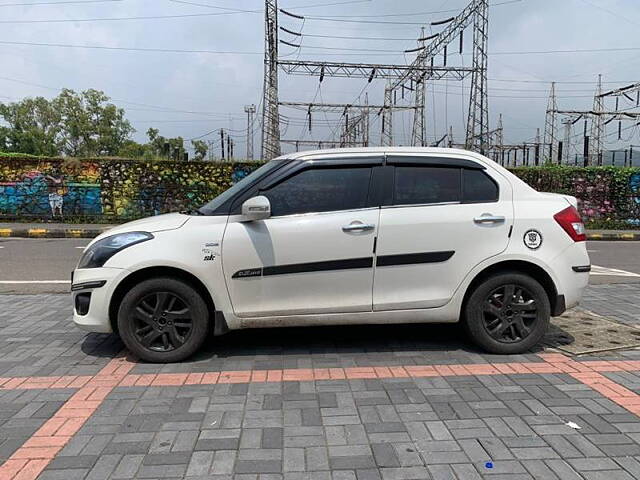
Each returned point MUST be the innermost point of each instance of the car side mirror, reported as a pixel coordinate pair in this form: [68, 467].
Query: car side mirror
[256, 208]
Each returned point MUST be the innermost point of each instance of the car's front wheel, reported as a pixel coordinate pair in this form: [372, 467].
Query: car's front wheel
[507, 313]
[163, 320]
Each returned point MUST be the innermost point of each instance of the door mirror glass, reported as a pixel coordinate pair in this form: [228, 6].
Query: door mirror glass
[256, 208]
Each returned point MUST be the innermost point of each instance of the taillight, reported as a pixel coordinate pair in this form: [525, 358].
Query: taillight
[570, 221]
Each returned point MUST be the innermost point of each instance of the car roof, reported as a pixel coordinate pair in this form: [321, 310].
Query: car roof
[358, 151]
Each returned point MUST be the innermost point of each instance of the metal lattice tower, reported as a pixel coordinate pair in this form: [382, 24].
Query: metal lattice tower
[499, 143]
[418, 132]
[270, 112]
[478, 119]
[250, 110]
[412, 77]
[387, 117]
[550, 124]
[568, 123]
[597, 126]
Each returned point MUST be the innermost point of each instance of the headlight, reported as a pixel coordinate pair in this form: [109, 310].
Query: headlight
[101, 251]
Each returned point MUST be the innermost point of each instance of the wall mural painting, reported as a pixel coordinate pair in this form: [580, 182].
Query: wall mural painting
[608, 197]
[116, 190]
[109, 190]
[49, 189]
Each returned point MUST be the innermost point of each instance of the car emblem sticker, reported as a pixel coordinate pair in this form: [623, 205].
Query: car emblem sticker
[532, 239]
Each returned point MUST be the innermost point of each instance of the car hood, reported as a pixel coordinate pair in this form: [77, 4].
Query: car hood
[159, 223]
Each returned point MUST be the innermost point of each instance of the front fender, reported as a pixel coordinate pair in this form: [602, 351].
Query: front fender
[194, 249]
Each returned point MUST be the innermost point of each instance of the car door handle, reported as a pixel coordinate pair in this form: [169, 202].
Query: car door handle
[489, 219]
[358, 227]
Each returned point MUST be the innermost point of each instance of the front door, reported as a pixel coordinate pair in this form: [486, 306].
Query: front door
[442, 220]
[315, 253]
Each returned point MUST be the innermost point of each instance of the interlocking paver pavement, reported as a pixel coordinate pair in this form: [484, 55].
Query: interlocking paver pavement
[384, 403]
[619, 301]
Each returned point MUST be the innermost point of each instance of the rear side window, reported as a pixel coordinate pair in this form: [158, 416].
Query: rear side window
[321, 190]
[419, 185]
[478, 187]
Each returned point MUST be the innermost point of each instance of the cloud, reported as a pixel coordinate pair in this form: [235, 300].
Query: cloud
[218, 86]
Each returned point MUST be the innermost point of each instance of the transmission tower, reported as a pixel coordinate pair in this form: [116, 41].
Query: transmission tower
[270, 113]
[597, 126]
[387, 117]
[478, 119]
[568, 123]
[418, 132]
[407, 78]
[250, 110]
[550, 126]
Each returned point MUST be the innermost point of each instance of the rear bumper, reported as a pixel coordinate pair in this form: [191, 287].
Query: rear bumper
[571, 269]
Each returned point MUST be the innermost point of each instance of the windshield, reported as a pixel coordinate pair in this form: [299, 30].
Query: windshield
[214, 204]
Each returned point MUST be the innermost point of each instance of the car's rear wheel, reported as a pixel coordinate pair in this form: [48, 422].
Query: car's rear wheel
[163, 320]
[507, 313]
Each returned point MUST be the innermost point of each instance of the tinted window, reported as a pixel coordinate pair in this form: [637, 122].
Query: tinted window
[478, 187]
[417, 185]
[321, 190]
[217, 202]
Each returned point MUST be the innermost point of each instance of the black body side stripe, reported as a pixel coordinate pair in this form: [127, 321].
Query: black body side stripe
[414, 258]
[347, 264]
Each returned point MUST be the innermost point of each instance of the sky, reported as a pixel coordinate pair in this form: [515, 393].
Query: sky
[194, 94]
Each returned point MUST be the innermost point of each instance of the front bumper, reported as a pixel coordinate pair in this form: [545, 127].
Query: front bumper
[94, 286]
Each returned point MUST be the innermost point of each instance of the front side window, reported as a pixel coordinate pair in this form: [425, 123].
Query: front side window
[211, 207]
[419, 185]
[320, 190]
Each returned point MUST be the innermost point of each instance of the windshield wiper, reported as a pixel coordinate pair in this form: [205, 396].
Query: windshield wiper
[192, 211]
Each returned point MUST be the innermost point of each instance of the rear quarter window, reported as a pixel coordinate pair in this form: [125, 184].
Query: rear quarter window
[425, 185]
[478, 187]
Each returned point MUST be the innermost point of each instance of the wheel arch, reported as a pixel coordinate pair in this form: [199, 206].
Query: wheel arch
[160, 271]
[519, 266]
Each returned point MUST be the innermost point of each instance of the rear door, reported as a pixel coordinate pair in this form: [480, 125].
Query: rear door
[315, 253]
[442, 217]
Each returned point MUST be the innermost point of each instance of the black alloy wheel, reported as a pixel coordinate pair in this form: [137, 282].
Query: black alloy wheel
[162, 321]
[509, 313]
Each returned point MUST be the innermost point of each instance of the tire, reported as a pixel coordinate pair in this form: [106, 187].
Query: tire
[163, 320]
[500, 325]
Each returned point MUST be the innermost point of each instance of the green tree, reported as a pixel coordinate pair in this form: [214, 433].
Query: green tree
[201, 148]
[75, 124]
[32, 126]
[90, 125]
[171, 148]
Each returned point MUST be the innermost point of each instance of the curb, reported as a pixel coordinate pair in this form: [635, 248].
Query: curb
[51, 232]
[611, 236]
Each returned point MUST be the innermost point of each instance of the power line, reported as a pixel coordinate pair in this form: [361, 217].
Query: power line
[115, 19]
[156, 108]
[344, 18]
[236, 52]
[63, 2]
[132, 49]
[413, 14]
[298, 7]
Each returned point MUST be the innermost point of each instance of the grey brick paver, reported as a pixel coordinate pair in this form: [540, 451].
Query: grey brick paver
[365, 429]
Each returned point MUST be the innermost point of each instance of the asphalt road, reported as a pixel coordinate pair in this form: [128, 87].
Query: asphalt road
[44, 265]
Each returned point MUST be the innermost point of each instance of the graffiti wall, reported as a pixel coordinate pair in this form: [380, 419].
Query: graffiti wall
[609, 197]
[115, 190]
[108, 190]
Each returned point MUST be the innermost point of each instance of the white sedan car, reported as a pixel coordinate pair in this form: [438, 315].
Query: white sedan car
[346, 236]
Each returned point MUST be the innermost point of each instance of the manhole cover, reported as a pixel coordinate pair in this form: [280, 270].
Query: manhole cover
[578, 332]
